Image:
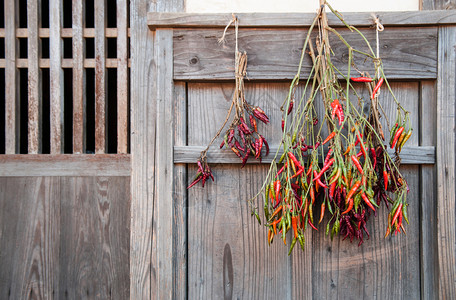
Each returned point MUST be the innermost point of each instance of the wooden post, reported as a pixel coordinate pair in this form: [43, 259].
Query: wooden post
[11, 106]
[79, 92]
[100, 77]
[446, 191]
[122, 77]
[56, 75]
[34, 78]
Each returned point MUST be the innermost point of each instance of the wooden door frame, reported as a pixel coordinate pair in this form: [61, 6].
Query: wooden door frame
[157, 254]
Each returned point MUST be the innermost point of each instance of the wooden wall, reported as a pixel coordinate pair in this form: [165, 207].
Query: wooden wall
[64, 237]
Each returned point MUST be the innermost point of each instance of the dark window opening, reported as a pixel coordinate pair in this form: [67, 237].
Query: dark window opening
[23, 48]
[45, 13]
[89, 14]
[90, 47]
[111, 48]
[46, 118]
[90, 110]
[45, 47]
[22, 8]
[68, 110]
[2, 111]
[2, 47]
[111, 13]
[68, 48]
[67, 14]
[111, 109]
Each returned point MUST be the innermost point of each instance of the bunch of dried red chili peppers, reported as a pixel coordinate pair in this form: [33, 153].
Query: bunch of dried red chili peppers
[242, 138]
[340, 164]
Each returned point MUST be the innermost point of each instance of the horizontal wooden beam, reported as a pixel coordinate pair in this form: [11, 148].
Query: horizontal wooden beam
[270, 20]
[67, 63]
[65, 33]
[274, 54]
[65, 165]
[423, 155]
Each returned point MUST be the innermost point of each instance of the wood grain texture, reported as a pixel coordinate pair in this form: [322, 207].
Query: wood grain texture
[380, 268]
[56, 76]
[67, 63]
[143, 280]
[446, 204]
[428, 192]
[79, 82]
[11, 104]
[259, 20]
[437, 4]
[180, 195]
[29, 237]
[228, 255]
[16, 165]
[34, 78]
[94, 245]
[122, 77]
[405, 52]
[418, 155]
[65, 32]
[163, 223]
[100, 77]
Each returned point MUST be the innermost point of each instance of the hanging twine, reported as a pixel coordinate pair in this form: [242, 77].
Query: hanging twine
[379, 29]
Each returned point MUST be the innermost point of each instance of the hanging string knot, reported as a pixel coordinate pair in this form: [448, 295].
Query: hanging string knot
[233, 20]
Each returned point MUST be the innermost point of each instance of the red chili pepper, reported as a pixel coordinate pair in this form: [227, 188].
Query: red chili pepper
[312, 225]
[260, 145]
[300, 171]
[277, 190]
[385, 179]
[290, 108]
[332, 189]
[349, 208]
[283, 124]
[396, 215]
[222, 144]
[253, 123]
[357, 164]
[319, 181]
[374, 156]
[324, 169]
[274, 224]
[265, 144]
[353, 190]
[396, 136]
[328, 156]
[277, 211]
[197, 179]
[333, 134]
[312, 195]
[340, 115]
[361, 79]
[377, 87]
[367, 201]
[281, 169]
[295, 160]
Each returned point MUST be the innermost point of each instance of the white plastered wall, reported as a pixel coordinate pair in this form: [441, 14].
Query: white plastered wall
[208, 6]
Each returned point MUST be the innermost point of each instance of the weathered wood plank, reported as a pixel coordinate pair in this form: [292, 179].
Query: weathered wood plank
[180, 196]
[29, 237]
[259, 20]
[227, 249]
[94, 238]
[437, 4]
[407, 53]
[428, 192]
[56, 75]
[419, 155]
[375, 269]
[79, 100]
[228, 254]
[11, 104]
[16, 165]
[142, 153]
[163, 91]
[100, 77]
[122, 77]
[34, 78]
[446, 205]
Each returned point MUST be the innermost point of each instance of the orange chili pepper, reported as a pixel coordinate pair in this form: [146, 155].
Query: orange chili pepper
[353, 190]
[363, 195]
[277, 211]
[333, 134]
[357, 164]
[350, 206]
[322, 212]
[294, 224]
[385, 179]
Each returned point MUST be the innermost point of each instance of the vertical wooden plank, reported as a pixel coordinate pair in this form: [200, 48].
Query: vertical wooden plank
[34, 78]
[56, 75]
[94, 241]
[11, 105]
[180, 196]
[122, 77]
[100, 77]
[143, 113]
[163, 89]
[428, 191]
[228, 254]
[380, 268]
[446, 205]
[143, 146]
[79, 99]
[29, 238]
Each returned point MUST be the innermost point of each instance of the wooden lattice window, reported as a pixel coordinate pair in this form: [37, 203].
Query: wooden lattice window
[64, 77]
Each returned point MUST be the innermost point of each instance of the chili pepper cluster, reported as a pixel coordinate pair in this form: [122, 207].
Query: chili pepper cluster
[242, 138]
[346, 173]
